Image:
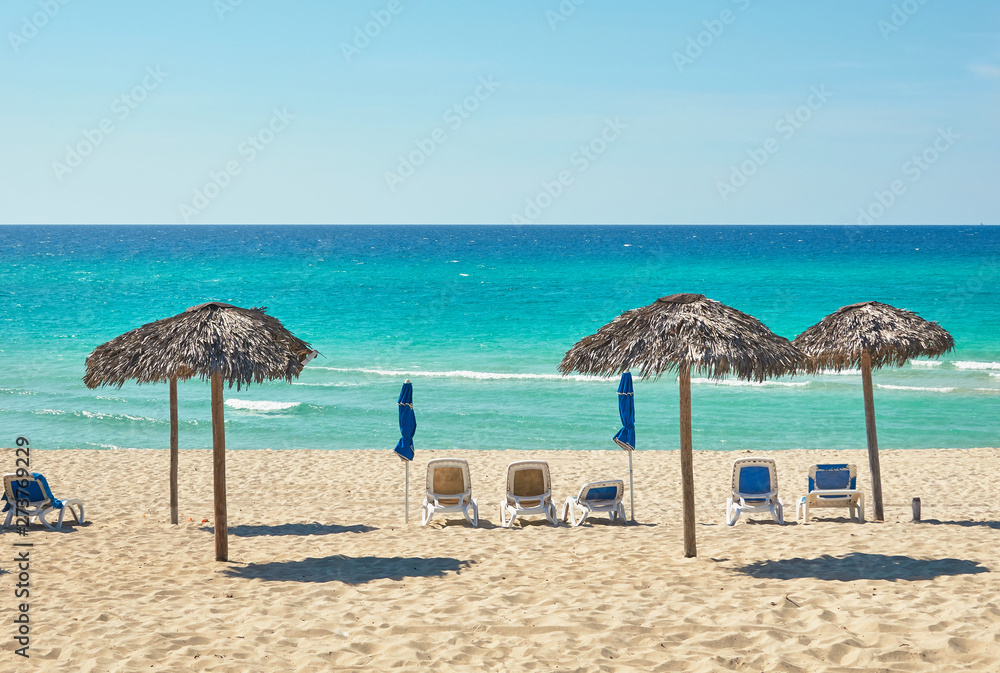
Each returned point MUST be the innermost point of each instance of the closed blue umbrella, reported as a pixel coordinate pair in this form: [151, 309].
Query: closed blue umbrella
[404, 448]
[626, 436]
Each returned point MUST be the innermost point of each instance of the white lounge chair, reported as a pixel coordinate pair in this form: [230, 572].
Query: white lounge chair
[36, 500]
[755, 490]
[529, 491]
[833, 485]
[449, 489]
[596, 497]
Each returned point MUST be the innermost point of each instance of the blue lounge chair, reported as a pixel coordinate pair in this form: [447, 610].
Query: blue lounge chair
[596, 497]
[833, 485]
[40, 501]
[755, 490]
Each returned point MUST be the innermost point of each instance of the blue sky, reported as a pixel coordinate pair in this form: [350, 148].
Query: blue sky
[723, 111]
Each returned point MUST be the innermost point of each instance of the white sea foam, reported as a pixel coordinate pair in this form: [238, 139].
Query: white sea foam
[887, 386]
[842, 372]
[465, 374]
[925, 363]
[338, 384]
[100, 415]
[753, 384]
[96, 414]
[260, 405]
[977, 365]
[17, 391]
[996, 376]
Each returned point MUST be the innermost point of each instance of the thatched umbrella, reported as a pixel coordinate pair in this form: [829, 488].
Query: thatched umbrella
[215, 341]
[677, 333]
[871, 335]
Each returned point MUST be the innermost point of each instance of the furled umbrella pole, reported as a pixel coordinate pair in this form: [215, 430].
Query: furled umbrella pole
[625, 438]
[871, 335]
[214, 341]
[404, 447]
[680, 333]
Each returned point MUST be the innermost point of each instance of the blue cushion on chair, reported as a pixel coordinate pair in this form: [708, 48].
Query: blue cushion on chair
[603, 493]
[34, 493]
[755, 479]
[833, 479]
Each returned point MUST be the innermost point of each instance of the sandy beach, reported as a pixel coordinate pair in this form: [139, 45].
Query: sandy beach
[325, 576]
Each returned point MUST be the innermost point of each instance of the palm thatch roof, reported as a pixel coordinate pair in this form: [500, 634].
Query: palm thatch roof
[890, 335]
[243, 345]
[684, 330]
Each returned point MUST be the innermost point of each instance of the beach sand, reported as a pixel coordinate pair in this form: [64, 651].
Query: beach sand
[325, 576]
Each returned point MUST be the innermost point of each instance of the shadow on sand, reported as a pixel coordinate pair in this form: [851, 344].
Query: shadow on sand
[995, 525]
[294, 529]
[858, 566]
[349, 570]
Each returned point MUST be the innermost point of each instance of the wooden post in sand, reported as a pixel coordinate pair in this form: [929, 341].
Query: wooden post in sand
[873, 464]
[219, 470]
[173, 450]
[687, 462]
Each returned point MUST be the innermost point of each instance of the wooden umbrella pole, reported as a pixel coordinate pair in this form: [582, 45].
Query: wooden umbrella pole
[219, 470]
[687, 462]
[873, 464]
[173, 451]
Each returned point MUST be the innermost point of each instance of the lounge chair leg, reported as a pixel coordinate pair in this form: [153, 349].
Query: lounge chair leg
[41, 517]
[732, 512]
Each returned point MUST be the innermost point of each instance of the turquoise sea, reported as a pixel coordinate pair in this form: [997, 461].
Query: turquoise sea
[479, 317]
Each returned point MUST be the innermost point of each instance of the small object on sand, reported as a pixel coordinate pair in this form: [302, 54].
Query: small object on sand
[916, 510]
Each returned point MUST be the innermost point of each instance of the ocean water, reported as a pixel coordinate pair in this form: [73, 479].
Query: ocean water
[479, 318]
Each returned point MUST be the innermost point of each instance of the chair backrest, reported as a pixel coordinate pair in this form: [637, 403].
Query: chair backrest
[754, 476]
[611, 489]
[35, 489]
[448, 476]
[526, 478]
[831, 476]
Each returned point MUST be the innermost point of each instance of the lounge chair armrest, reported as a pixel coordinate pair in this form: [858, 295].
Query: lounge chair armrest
[541, 498]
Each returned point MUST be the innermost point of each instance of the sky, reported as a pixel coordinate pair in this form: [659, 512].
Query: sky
[500, 112]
